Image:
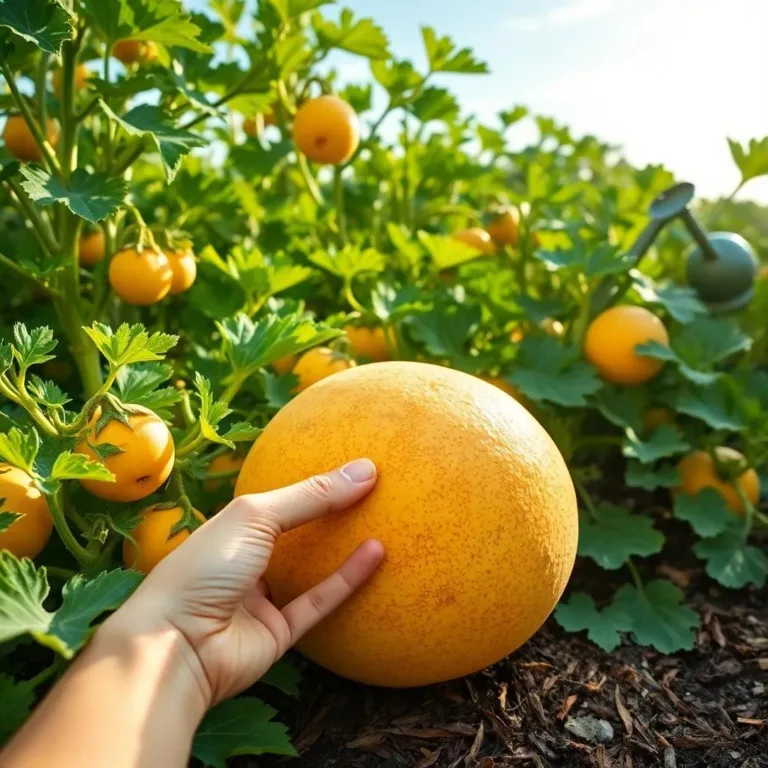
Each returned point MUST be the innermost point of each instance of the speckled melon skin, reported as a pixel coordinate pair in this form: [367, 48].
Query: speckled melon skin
[474, 505]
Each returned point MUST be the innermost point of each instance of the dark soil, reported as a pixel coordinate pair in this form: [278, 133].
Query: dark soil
[707, 708]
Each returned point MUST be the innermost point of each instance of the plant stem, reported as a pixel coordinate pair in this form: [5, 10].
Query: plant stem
[352, 299]
[49, 671]
[37, 133]
[309, 179]
[65, 574]
[25, 401]
[717, 208]
[338, 200]
[585, 497]
[632, 568]
[42, 89]
[42, 229]
[65, 532]
[232, 389]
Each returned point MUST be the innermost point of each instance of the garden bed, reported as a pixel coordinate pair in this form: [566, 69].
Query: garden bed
[708, 707]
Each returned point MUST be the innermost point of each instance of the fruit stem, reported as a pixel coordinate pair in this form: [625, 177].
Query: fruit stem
[632, 568]
[60, 573]
[65, 532]
[47, 150]
[25, 401]
[309, 179]
[352, 299]
[585, 497]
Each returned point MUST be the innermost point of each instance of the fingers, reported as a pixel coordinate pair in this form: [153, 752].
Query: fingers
[313, 606]
[316, 496]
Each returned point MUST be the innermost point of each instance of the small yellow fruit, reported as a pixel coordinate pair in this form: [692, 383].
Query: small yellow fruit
[369, 343]
[153, 536]
[91, 249]
[319, 363]
[184, 270]
[28, 534]
[140, 277]
[611, 339]
[20, 142]
[326, 130]
[476, 238]
[698, 471]
[82, 75]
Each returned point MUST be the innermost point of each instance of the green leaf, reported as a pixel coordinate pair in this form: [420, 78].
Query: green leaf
[603, 627]
[664, 441]
[23, 588]
[731, 561]
[615, 535]
[242, 432]
[623, 406]
[283, 676]
[92, 196]
[290, 9]
[514, 115]
[85, 600]
[446, 331]
[607, 259]
[41, 22]
[250, 345]
[32, 348]
[349, 262]
[46, 392]
[279, 390]
[713, 404]
[698, 347]
[681, 302]
[7, 519]
[211, 412]
[362, 37]
[172, 142]
[6, 356]
[649, 478]
[16, 700]
[392, 303]
[546, 370]
[443, 55]
[19, 448]
[130, 343]
[752, 161]
[437, 104]
[239, 727]
[255, 161]
[400, 238]
[139, 384]
[291, 53]
[447, 252]
[75, 466]
[707, 511]
[659, 617]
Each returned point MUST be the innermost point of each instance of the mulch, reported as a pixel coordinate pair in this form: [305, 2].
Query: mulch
[561, 701]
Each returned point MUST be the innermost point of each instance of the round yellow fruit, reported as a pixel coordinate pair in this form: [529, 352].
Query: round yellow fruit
[476, 238]
[285, 364]
[91, 249]
[20, 142]
[326, 130]
[698, 471]
[82, 75]
[153, 536]
[370, 343]
[504, 229]
[145, 459]
[184, 268]
[227, 462]
[141, 277]
[611, 339]
[318, 364]
[28, 534]
[474, 506]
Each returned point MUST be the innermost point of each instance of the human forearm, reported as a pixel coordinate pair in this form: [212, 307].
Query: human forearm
[131, 698]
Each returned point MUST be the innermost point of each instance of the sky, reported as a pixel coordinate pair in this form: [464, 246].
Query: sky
[668, 80]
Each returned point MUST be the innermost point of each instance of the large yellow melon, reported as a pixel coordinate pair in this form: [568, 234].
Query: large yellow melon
[474, 505]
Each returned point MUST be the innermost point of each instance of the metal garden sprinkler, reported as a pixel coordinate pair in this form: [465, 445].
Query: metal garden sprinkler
[721, 266]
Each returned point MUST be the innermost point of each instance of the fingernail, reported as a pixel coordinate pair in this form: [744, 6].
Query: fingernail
[359, 471]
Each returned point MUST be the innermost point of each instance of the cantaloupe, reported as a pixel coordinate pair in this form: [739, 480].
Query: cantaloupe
[474, 505]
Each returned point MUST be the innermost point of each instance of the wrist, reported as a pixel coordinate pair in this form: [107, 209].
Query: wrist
[160, 660]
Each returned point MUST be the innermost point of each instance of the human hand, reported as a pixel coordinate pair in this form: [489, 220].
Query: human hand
[210, 589]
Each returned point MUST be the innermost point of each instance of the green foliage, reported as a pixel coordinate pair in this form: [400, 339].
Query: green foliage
[603, 627]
